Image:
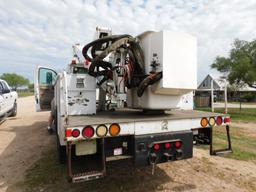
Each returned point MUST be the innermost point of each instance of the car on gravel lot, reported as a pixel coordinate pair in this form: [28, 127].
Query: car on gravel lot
[8, 100]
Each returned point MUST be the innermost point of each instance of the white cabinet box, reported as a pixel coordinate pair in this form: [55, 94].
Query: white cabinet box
[175, 54]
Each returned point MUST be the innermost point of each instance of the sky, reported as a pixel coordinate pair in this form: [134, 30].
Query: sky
[42, 32]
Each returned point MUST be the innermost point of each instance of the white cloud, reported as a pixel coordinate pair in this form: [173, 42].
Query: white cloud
[42, 32]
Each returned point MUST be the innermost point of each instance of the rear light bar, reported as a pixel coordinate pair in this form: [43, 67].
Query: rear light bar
[168, 145]
[89, 131]
[219, 120]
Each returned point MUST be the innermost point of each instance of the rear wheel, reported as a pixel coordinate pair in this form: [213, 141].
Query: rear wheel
[61, 150]
[14, 110]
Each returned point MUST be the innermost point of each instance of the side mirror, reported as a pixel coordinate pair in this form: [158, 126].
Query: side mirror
[6, 91]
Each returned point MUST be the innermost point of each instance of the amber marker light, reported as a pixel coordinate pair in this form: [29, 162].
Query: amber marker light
[114, 129]
[204, 122]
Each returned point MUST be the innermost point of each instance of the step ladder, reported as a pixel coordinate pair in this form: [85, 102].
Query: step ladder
[220, 151]
[89, 175]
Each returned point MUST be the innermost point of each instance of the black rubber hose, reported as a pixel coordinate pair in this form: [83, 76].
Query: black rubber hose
[112, 43]
[99, 63]
[98, 43]
[149, 80]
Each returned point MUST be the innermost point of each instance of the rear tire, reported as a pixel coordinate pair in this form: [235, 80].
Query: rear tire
[14, 110]
[61, 152]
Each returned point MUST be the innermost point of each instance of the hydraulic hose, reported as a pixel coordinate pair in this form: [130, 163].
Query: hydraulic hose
[107, 45]
[151, 79]
[99, 49]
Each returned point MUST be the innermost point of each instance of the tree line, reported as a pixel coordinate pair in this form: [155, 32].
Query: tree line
[15, 80]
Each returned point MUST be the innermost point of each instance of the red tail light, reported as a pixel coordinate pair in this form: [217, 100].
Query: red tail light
[73, 62]
[75, 133]
[88, 132]
[87, 62]
[219, 120]
[178, 144]
[156, 147]
[227, 120]
[68, 132]
[167, 145]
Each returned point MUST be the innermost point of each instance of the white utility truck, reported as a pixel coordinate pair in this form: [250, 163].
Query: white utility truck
[8, 101]
[124, 97]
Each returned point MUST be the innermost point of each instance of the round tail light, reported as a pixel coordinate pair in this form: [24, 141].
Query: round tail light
[167, 145]
[219, 120]
[114, 129]
[88, 132]
[178, 144]
[101, 130]
[204, 122]
[75, 133]
[227, 120]
[156, 147]
[212, 121]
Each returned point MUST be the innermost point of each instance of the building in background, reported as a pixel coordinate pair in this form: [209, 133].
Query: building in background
[235, 93]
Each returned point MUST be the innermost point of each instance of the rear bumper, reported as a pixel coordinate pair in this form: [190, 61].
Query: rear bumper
[139, 148]
[144, 148]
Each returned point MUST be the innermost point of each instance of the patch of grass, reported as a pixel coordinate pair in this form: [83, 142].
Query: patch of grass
[243, 145]
[45, 171]
[243, 103]
[25, 94]
[48, 175]
[243, 117]
[246, 114]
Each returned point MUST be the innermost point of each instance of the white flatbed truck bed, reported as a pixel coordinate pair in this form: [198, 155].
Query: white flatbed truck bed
[129, 116]
[142, 132]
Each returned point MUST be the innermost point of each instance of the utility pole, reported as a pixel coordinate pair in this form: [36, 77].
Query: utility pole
[212, 96]
[226, 97]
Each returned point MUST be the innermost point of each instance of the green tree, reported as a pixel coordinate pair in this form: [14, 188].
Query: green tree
[14, 80]
[240, 65]
[31, 86]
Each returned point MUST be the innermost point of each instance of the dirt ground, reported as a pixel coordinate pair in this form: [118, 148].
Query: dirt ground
[24, 139]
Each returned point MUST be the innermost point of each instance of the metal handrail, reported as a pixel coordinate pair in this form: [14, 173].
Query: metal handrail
[65, 95]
